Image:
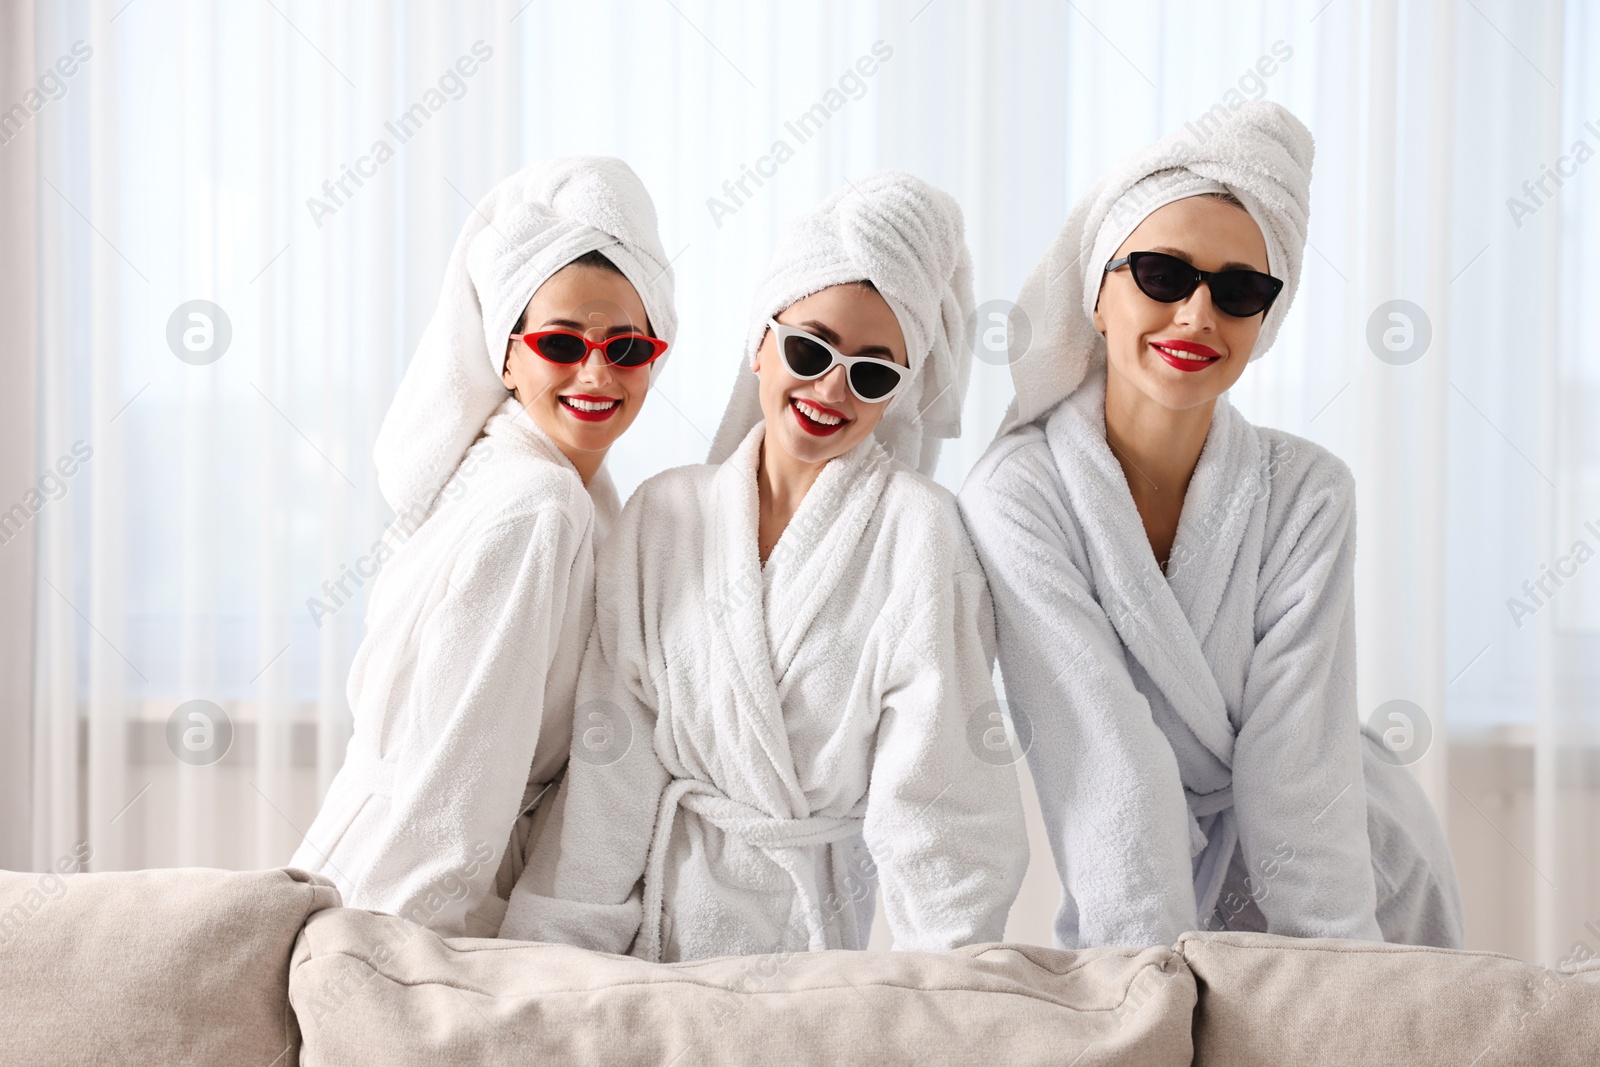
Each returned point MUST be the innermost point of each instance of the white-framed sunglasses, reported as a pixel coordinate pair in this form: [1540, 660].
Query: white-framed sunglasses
[872, 379]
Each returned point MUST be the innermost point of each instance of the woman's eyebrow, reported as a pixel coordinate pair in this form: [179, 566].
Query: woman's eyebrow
[877, 352]
[824, 331]
[568, 324]
[1178, 253]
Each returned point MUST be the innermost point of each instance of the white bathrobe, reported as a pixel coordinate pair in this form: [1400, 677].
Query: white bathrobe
[798, 730]
[1204, 719]
[462, 690]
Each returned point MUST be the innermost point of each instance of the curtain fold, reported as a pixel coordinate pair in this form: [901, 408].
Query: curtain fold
[19, 326]
[303, 168]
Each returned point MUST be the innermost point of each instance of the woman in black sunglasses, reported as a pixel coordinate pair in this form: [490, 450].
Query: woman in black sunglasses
[1174, 587]
[787, 700]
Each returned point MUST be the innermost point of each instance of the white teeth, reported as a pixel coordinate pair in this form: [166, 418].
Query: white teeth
[589, 405]
[1181, 355]
[816, 416]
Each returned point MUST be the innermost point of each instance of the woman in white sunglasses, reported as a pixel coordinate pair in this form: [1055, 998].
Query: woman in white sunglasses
[787, 698]
[538, 357]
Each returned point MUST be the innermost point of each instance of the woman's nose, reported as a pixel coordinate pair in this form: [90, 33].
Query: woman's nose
[595, 367]
[1197, 310]
[832, 385]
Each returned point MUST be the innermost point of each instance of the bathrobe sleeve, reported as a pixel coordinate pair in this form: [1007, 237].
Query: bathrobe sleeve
[1106, 777]
[944, 826]
[583, 884]
[1298, 787]
[476, 707]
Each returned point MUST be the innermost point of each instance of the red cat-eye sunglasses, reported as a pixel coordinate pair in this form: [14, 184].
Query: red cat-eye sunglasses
[568, 347]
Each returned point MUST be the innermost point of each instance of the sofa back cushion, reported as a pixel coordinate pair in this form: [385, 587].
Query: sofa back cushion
[374, 988]
[1274, 1000]
[186, 965]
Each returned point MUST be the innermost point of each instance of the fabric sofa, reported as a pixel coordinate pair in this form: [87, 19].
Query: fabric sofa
[263, 967]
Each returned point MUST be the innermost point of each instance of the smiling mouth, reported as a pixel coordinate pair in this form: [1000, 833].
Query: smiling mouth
[815, 419]
[1184, 358]
[590, 408]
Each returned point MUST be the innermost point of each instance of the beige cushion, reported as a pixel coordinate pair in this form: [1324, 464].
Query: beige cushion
[1275, 1000]
[171, 966]
[378, 989]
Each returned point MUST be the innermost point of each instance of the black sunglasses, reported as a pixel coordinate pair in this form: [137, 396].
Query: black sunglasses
[1240, 293]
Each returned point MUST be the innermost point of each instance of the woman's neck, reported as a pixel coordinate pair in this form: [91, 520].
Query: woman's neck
[588, 463]
[782, 483]
[1158, 448]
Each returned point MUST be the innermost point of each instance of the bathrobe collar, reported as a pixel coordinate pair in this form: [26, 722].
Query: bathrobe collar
[1163, 619]
[511, 423]
[766, 613]
[758, 619]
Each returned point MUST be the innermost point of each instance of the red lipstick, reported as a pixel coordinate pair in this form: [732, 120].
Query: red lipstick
[812, 426]
[589, 416]
[1208, 356]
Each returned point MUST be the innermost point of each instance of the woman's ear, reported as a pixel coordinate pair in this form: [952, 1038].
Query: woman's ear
[760, 348]
[505, 369]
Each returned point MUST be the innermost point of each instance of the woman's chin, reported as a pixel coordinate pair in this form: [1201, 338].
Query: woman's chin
[807, 448]
[1176, 389]
[573, 437]
[594, 437]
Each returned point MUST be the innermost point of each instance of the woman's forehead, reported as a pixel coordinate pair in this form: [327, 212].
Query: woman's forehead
[1209, 233]
[854, 318]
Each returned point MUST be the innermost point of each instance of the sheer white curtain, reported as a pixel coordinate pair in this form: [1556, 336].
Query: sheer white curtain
[18, 365]
[231, 154]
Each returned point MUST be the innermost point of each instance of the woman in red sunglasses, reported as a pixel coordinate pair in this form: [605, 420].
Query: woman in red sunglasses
[787, 700]
[557, 305]
[579, 363]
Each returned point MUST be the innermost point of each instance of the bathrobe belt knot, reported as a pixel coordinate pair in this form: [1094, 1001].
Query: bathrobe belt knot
[1202, 806]
[787, 841]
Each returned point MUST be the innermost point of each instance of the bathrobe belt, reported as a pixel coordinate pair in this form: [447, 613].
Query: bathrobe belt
[786, 841]
[1200, 806]
[1203, 804]
[1211, 867]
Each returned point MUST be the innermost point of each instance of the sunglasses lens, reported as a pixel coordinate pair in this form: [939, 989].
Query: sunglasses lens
[1240, 293]
[806, 358]
[874, 380]
[1243, 293]
[562, 348]
[630, 351]
[1164, 278]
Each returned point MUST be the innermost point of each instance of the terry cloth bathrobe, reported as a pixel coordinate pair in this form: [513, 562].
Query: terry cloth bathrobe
[1196, 744]
[461, 692]
[756, 748]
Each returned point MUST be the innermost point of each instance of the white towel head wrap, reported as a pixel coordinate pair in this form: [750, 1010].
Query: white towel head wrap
[1260, 153]
[526, 229]
[906, 237]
